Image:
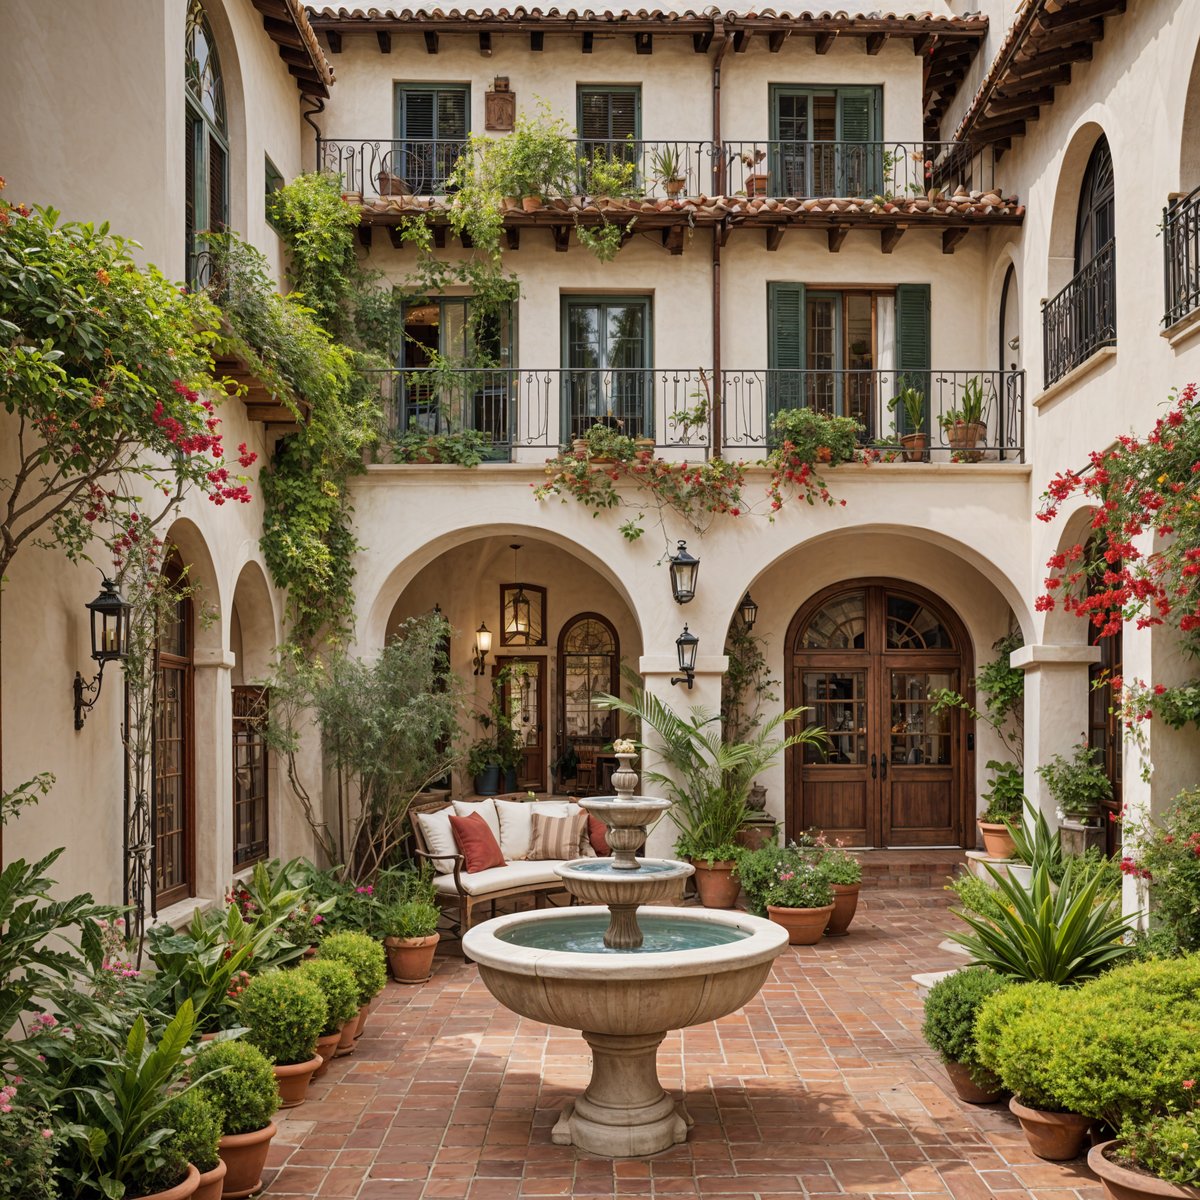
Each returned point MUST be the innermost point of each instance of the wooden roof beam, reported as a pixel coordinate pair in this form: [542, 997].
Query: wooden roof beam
[837, 235]
[562, 237]
[335, 41]
[1052, 77]
[1010, 129]
[775, 236]
[1085, 31]
[741, 39]
[537, 41]
[876, 42]
[364, 236]
[1075, 14]
[643, 43]
[385, 41]
[431, 41]
[921, 43]
[1035, 64]
[513, 235]
[889, 236]
[951, 238]
[1000, 104]
[672, 239]
[777, 38]
[283, 31]
[485, 45]
[588, 38]
[702, 41]
[823, 41]
[395, 236]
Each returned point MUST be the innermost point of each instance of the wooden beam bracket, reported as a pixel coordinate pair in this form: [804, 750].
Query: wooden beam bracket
[588, 39]
[513, 234]
[775, 236]
[335, 41]
[385, 41]
[824, 41]
[431, 41]
[951, 238]
[485, 44]
[890, 236]
[837, 235]
[562, 237]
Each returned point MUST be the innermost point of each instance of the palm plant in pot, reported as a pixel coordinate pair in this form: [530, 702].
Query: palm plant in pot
[339, 987]
[237, 1079]
[667, 165]
[410, 935]
[910, 401]
[284, 1013]
[965, 425]
[949, 1028]
[709, 781]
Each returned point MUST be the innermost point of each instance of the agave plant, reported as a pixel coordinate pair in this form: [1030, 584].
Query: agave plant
[1047, 936]
[710, 778]
[1035, 843]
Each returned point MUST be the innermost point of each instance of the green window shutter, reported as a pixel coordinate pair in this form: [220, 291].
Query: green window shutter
[913, 339]
[858, 114]
[623, 115]
[860, 170]
[417, 120]
[785, 346]
[452, 114]
[609, 114]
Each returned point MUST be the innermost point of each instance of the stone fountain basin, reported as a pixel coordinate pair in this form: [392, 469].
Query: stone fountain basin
[623, 994]
[656, 881]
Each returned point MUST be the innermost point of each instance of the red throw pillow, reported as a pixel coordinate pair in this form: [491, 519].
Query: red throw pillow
[477, 843]
[596, 828]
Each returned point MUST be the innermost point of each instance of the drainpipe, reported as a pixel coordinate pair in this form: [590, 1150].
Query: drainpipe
[722, 42]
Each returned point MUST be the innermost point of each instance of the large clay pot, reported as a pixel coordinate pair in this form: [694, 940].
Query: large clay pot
[964, 436]
[1121, 1183]
[804, 925]
[1056, 1136]
[363, 1012]
[411, 959]
[327, 1048]
[293, 1079]
[845, 905]
[211, 1183]
[754, 835]
[997, 841]
[181, 1191]
[988, 1090]
[245, 1155]
[346, 1039]
[716, 885]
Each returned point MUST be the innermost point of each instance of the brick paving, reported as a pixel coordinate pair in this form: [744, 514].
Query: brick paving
[821, 1087]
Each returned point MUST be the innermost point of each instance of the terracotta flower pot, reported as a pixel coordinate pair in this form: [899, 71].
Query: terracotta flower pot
[293, 1080]
[531, 203]
[245, 1155]
[346, 1038]
[716, 885]
[964, 436]
[1123, 1183]
[987, 1091]
[915, 445]
[755, 835]
[327, 1048]
[845, 905]
[211, 1183]
[674, 186]
[756, 185]
[411, 959]
[804, 925]
[363, 1012]
[997, 841]
[1056, 1136]
[181, 1191]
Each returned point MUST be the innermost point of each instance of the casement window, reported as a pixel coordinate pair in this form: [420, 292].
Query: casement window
[609, 124]
[206, 139]
[432, 123]
[827, 141]
[607, 353]
[251, 827]
[843, 351]
[1094, 223]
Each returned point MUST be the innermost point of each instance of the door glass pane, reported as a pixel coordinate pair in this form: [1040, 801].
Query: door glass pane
[836, 701]
[589, 651]
[821, 342]
[840, 625]
[919, 736]
[607, 380]
[825, 158]
[912, 626]
[860, 357]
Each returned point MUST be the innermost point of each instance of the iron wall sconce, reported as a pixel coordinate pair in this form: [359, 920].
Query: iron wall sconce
[749, 611]
[110, 641]
[684, 569]
[685, 646]
[483, 647]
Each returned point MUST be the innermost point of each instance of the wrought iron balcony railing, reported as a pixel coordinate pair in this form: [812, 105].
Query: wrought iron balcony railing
[894, 170]
[531, 408]
[1181, 257]
[656, 169]
[1082, 318]
[752, 399]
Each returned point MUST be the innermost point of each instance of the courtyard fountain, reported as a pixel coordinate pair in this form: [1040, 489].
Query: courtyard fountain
[622, 978]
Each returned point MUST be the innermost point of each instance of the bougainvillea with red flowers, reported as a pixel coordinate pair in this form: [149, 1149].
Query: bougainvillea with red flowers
[1141, 559]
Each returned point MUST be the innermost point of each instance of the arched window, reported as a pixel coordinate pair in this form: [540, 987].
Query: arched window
[206, 141]
[1094, 227]
[1009, 334]
[174, 781]
[588, 656]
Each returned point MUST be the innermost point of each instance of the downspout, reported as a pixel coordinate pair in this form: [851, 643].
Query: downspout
[719, 36]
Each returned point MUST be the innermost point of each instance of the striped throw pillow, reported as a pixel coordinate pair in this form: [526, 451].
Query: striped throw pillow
[556, 837]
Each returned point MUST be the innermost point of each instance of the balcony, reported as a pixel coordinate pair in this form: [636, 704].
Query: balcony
[541, 409]
[751, 398]
[1082, 318]
[1181, 257]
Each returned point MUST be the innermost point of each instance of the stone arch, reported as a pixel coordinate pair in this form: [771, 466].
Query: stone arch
[1060, 267]
[1189, 143]
[185, 535]
[253, 631]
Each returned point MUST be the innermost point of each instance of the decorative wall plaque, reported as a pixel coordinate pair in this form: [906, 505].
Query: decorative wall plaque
[500, 110]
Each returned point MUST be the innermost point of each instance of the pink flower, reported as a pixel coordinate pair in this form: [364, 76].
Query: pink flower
[1188, 1084]
[47, 1134]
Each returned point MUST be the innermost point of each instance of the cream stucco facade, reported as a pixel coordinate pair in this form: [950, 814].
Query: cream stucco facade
[964, 534]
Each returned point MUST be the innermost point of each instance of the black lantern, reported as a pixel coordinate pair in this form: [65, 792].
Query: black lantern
[516, 619]
[483, 646]
[685, 646]
[110, 641]
[684, 569]
[749, 611]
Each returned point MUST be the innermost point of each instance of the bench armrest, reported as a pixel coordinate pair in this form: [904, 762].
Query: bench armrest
[459, 861]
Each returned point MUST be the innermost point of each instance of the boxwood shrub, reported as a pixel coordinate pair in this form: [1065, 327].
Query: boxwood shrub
[244, 1092]
[950, 1011]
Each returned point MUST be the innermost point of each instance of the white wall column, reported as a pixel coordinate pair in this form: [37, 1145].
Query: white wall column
[213, 770]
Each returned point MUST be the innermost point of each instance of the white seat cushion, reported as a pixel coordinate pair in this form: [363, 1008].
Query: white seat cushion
[498, 879]
[486, 809]
[439, 837]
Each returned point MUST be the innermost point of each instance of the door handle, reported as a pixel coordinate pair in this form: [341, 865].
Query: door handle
[873, 766]
[883, 765]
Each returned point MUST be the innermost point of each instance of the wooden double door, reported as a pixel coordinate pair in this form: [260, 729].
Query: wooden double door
[866, 661]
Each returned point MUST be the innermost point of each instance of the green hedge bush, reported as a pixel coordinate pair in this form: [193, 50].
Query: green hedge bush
[950, 1011]
[338, 985]
[244, 1093]
[1015, 1035]
[364, 956]
[284, 1013]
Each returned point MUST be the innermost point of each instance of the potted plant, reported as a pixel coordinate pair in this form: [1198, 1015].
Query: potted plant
[801, 900]
[1005, 796]
[667, 165]
[949, 1028]
[1155, 1159]
[196, 1139]
[756, 183]
[915, 440]
[605, 443]
[284, 1013]
[1078, 785]
[710, 781]
[965, 425]
[535, 161]
[365, 957]
[843, 872]
[610, 175]
[236, 1078]
[339, 987]
[409, 928]
[493, 759]
[814, 437]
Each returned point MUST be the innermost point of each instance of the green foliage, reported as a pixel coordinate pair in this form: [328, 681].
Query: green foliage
[364, 956]
[1166, 1147]
[25, 795]
[238, 1081]
[976, 897]
[605, 239]
[1016, 1034]
[950, 1011]
[339, 987]
[1078, 784]
[121, 1132]
[389, 727]
[815, 437]
[502, 746]
[284, 1013]
[1166, 852]
[463, 447]
[799, 886]
[610, 174]
[1005, 793]
[1040, 848]
[27, 1155]
[410, 919]
[1003, 689]
[972, 409]
[197, 1126]
[1058, 937]
[759, 869]
[710, 777]
[912, 401]
[839, 866]
[746, 684]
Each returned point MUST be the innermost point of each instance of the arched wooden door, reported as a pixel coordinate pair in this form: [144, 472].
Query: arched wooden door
[865, 659]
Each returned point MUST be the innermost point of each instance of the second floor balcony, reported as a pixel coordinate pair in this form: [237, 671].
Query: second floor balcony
[1082, 318]
[1181, 257]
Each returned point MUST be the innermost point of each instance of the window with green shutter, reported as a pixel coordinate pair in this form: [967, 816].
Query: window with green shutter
[206, 140]
[826, 141]
[432, 123]
[609, 124]
[912, 343]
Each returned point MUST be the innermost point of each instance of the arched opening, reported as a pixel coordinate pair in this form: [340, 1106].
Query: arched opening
[589, 655]
[866, 659]
[1189, 144]
[1104, 730]
[1008, 349]
[206, 138]
[1094, 222]
[1181, 222]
